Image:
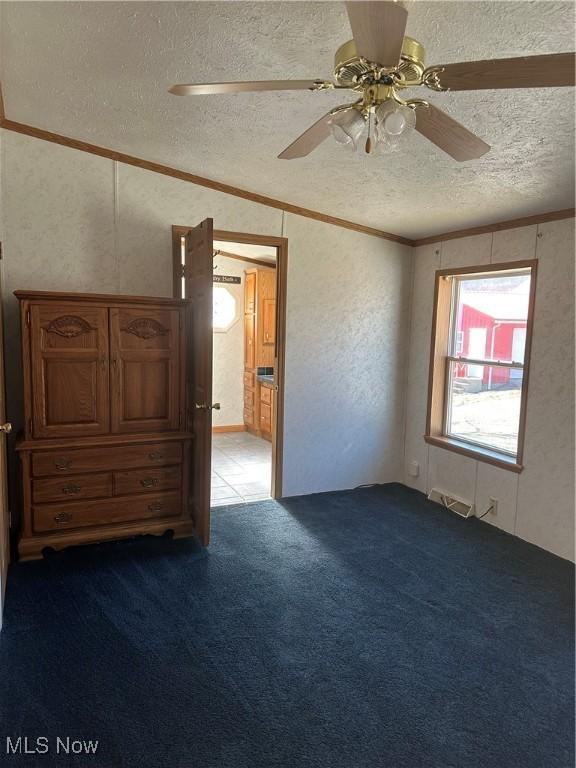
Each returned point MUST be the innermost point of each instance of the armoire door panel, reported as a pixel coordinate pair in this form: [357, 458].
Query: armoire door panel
[146, 389]
[69, 387]
[145, 385]
[69, 370]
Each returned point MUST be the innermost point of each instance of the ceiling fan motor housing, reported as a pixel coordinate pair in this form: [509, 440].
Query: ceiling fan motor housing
[352, 71]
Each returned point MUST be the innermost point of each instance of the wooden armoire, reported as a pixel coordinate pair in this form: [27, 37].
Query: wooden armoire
[105, 451]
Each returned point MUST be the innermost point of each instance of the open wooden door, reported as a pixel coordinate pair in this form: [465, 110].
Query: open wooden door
[5, 428]
[198, 272]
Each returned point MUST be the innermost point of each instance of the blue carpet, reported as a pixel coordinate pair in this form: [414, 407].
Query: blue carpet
[344, 630]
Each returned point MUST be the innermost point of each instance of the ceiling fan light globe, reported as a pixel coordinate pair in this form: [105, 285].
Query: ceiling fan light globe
[347, 126]
[343, 139]
[410, 115]
[395, 123]
[387, 144]
[340, 135]
[384, 109]
[392, 144]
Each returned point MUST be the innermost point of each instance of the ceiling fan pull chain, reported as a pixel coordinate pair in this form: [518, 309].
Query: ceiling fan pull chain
[368, 145]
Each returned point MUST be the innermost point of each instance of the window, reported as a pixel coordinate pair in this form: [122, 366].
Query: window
[479, 361]
[223, 308]
[459, 342]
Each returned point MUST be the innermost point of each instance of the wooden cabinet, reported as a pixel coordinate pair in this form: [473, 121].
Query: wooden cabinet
[250, 291]
[105, 453]
[69, 347]
[145, 365]
[265, 318]
[250, 342]
[266, 411]
[259, 339]
[269, 321]
[250, 399]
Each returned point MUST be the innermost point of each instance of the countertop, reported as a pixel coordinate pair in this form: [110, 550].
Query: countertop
[266, 379]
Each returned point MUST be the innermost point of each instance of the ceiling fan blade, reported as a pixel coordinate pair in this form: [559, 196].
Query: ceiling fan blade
[546, 71]
[448, 134]
[310, 139]
[378, 30]
[204, 89]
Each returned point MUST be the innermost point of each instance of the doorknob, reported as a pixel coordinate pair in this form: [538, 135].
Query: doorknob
[204, 407]
[6, 427]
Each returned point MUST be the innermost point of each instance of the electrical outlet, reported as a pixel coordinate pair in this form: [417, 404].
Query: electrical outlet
[414, 469]
[494, 506]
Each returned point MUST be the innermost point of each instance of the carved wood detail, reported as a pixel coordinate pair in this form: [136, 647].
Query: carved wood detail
[104, 454]
[145, 328]
[69, 326]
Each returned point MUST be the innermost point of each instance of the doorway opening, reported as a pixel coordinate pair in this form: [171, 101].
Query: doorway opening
[248, 338]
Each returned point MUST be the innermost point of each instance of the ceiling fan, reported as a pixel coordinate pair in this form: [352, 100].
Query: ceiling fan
[378, 64]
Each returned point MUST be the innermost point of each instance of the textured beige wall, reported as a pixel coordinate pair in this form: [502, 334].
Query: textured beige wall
[77, 222]
[347, 336]
[538, 504]
[81, 223]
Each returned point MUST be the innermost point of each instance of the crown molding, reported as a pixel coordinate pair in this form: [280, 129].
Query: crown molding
[202, 181]
[526, 221]
[228, 189]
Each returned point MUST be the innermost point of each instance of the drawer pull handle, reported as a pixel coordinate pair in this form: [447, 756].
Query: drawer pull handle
[71, 488]
[62, 463]
[149, 482]
[62, 517]
[156, 507]
[155, 455]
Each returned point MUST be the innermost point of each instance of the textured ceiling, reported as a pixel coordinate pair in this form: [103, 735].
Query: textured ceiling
[100, 72]
[263, 252]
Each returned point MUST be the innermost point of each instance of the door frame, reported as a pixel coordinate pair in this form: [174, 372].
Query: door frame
[281, 245]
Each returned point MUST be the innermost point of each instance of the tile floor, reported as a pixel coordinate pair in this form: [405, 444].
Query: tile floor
[241, 468]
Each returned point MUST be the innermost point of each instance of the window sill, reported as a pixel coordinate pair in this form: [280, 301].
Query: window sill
[478, 453]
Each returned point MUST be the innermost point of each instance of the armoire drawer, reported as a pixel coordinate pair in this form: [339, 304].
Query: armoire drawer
[147, 480]
[266, 395]
[53, 517]
[67, 462]
[47, 489]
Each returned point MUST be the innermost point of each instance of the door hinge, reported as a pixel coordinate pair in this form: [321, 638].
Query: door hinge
[27, 317]
[30, 426]
[0, 250]
[182, 270]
